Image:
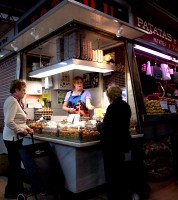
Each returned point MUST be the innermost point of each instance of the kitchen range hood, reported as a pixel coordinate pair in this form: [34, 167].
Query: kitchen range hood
[72, 64]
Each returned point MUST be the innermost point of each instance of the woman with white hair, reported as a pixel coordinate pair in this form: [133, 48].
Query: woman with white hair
[115, 140]
[15, 123]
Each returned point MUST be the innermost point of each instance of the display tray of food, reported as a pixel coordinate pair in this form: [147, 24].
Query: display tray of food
[82, 135]
[85, 131]
[35, 125]
[155, 105]
[50, 128]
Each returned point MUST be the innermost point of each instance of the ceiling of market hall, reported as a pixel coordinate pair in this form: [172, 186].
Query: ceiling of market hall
[11, 11]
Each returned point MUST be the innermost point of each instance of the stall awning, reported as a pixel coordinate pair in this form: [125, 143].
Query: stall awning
[64, 13]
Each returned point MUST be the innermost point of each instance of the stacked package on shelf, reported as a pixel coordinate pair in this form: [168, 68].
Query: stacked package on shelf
[66, 47]
[43, 112]
[60, 49]
[74, 45]
[83, 52]
[97, 55]
[89, 50]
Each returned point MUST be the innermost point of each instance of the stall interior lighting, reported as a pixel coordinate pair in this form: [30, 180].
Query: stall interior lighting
[66, 66]
[34, 34]
[14, 46]
[1, 54]
[156, 53]
[120, 30]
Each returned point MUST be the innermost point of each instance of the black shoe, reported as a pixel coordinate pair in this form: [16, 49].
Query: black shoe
[10, 196]
[25, 191]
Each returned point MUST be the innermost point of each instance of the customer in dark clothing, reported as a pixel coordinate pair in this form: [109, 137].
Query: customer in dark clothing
[115, 140]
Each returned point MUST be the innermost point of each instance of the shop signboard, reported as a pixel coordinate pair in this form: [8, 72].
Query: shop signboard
[111, 8]
[156, 35]
[6, 38]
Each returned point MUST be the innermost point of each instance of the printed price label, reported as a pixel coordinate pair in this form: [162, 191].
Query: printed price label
[164, 105]
[172, 108]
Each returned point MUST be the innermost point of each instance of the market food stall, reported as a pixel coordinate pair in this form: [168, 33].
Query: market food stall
[81, 163]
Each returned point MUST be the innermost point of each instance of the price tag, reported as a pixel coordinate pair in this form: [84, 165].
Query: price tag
[164, 105]
[76, 119]
[172, 108]
[70, 118]
[73, 119]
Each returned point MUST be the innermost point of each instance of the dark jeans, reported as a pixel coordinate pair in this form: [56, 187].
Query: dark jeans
[15, 182]
[115, 175]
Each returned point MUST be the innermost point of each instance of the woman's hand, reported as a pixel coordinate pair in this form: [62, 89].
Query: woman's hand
[30, 130]
[25, 132]
[91, 107]
[72, 110]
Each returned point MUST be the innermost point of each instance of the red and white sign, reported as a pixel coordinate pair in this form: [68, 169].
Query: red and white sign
[157, 35]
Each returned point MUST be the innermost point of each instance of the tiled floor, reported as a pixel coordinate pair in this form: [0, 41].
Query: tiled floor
[98, 194]
[166, 190]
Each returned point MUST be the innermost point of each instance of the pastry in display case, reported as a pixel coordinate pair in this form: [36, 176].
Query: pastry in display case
[90, 133]
[133, 127]
[35, 125]
[50, 128]
[83, 132]
[69, 131]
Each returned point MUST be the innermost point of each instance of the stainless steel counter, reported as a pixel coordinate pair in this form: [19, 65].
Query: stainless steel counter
[74, 143]
[81, 163]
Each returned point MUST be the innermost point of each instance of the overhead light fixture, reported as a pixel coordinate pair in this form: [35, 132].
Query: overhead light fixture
[34, 34]
[14, 46]
[72, 64]
[120, 29]
[156, 53]
[1, 54]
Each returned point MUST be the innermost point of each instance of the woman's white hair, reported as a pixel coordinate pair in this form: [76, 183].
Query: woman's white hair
[113, 92]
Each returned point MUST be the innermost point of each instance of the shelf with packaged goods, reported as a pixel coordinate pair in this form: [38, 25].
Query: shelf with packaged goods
[72, 64]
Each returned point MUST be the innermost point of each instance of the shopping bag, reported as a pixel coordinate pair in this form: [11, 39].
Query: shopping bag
[42, 168]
